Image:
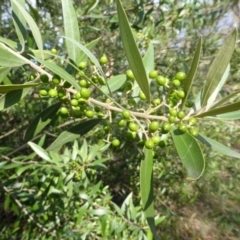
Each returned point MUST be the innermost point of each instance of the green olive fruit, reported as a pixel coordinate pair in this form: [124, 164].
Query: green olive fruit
[149, 144]
[192, 121]
[77, 95]
[176, 83]
[103, 60]
[180, 94]
[141, 143]
[156, 102]
[85, 93]
[54, 51]
[156, 139]
[173, 112]
[97, 109]
[82, 101]
[66, 84]
[161, 80]
[77, 113]
[171, 119]
[131, 102]
[126, 114]
[131, 135]
[129, 74]
[122, 123]
[61, 93]
[101, 80]
[193, 132]
[181, 76]
[133, 127]
[153, 74]
[166, 127]
[56, 79]
[44, 78]
[182, 127]
[153, 126]
[115, 143]
[189, 104]
[82, 65]
[100, 115]
[43, 93]
[162, 143]
[63, 111]
[94, 79]
[74, 102]
[142, 96]
[89, 113]
[128, 85]
[181, 115]
[83, 83]
[53, 93]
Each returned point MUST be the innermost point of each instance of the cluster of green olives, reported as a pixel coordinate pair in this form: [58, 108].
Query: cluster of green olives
[157, 131]
[74, 105]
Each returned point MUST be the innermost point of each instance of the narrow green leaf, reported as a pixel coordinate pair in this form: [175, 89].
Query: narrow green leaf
[190, 153]
[73, 133]
[3, 73]
[225, 99]
[217, 146]
[19, 22]
[61, 72]
[217, 111]
[212, 98]
[218, 67]
[114, 83]
[8, 88]
[39, 151]
[13, 97]
[41, 121]
[132, 52]
[89, 46]
[229, 116]
[71, 29]
[8, 59]
[190, 77]
[146, 189]
[33, 26]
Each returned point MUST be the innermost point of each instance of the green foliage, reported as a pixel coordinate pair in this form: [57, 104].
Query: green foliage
[89, 112]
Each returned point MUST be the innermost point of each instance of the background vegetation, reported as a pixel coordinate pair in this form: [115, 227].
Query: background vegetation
[90, 190]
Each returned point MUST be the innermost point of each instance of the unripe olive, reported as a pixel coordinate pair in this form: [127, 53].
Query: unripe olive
[153, 74]
[133, 127]
[171, 119]
[131, 102]
[82, 65]
[61, 93]
[153, 126]
[181, 115]
[53, 93]
[103, 60]
[129, 74]
[156, 139]
[149, 144]
[193, 132]
[77, 95]
[101, 80]
[176, 83]
[128, 85]
[82, 101]
[115, 143]
[83, 83]
[56, 79]
[44, 78]
[162, 143]
[161, 80]
[85, 93]
[89, 113]
[142, 95]
[192, 121]
[43, 93]
[66, 84]
[63, 111]
[182, 127]
[180, 76]
[189, 104]
[77, 113]
[122, 123]
[126, 114]
[173, 112]
[54, 51]
[180, 94]
[131, 135]
[74, 102]
[166, 127]
[156, 102]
